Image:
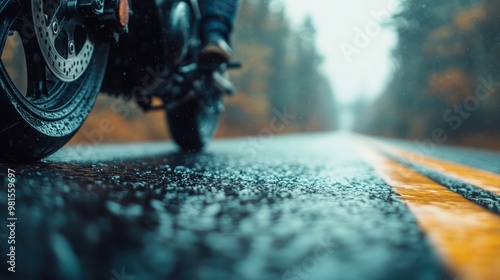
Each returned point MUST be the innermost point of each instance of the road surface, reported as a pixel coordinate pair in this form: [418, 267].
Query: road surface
[319, 206]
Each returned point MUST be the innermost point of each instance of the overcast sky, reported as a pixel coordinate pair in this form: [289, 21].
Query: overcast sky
[357, 67]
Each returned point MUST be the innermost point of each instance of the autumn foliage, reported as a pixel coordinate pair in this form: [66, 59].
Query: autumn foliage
[447, 75]
[280, 75]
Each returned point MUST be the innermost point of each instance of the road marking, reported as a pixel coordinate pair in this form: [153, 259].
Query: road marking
[466, 236]
[482, 179]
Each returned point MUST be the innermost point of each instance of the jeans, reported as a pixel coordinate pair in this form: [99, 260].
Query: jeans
[218, 16]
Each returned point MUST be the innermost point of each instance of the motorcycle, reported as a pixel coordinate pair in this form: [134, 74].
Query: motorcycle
[73, 49]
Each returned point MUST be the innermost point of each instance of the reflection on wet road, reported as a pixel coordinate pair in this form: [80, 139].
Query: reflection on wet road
[292, 207]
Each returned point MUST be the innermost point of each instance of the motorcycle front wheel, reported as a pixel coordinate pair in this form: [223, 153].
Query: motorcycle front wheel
[192, 125]
[50, 73]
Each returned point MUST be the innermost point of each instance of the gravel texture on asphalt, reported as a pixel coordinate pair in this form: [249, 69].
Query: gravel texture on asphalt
[292, 207]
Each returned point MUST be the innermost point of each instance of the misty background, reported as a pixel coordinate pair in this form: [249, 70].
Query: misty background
[419, 70]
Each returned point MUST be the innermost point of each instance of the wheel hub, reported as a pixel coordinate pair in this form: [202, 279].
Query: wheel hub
[64, 42]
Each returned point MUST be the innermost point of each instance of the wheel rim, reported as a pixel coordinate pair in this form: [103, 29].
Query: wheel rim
[48, 94]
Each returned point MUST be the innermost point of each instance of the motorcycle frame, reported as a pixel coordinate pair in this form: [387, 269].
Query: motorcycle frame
[157, 58]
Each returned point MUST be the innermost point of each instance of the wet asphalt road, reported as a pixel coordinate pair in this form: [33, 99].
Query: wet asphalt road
[290, 207]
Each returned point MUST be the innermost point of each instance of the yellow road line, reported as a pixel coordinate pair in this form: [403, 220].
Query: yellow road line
[479, 178]
[466, 236]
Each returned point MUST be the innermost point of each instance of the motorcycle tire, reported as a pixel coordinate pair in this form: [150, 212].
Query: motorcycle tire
[40, 121]
[191, 125]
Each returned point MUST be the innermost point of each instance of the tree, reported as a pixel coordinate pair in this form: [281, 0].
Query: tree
[446, 51]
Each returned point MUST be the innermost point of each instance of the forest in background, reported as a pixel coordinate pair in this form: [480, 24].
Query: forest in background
[445, 88]
[280, 78]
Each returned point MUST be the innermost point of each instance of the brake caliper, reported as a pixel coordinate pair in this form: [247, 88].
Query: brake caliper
[109, 18]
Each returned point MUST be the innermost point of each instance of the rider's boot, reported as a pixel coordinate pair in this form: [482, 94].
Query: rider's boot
[216, 49]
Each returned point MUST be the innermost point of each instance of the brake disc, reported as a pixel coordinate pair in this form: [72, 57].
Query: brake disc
[64, 42]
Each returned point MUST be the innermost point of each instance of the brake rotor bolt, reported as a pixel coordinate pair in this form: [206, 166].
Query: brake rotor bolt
[55, 27]
[71, 47]
[67, 62]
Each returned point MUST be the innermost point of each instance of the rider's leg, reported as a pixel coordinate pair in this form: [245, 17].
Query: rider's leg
[217, 24]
